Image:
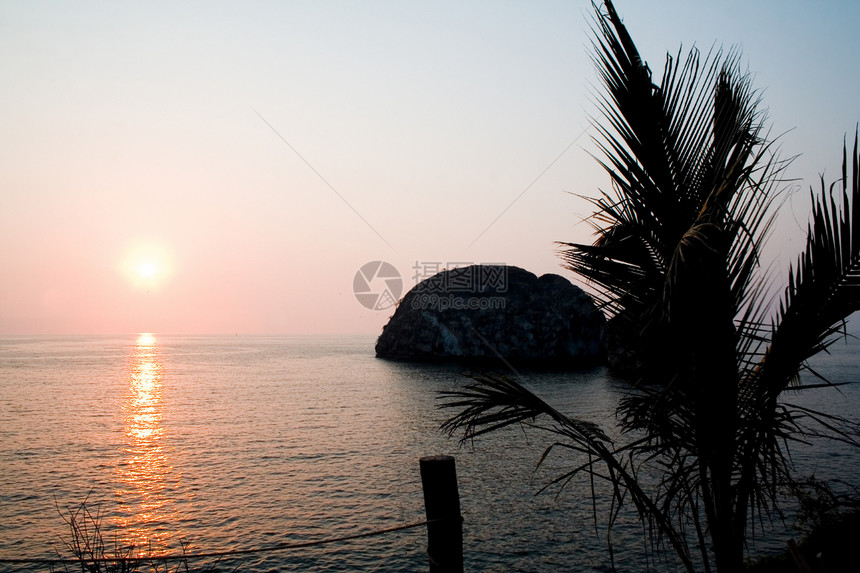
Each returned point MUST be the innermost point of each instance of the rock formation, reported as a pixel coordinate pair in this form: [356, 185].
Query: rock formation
[481, 312]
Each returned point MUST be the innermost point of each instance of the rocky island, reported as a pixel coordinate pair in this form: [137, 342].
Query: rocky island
[488, 312]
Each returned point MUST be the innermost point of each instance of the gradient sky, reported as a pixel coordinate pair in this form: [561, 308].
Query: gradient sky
[412, 131]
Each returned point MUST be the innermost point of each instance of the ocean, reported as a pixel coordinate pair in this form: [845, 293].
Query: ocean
[225, 443]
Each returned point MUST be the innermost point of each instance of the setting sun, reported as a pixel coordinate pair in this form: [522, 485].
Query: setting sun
[147, 266]
[146, 270]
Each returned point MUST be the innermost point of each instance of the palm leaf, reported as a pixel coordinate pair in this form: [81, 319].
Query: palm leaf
[493, 402]
[824, 286]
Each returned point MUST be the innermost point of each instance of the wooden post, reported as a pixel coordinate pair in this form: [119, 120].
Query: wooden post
[442, 504]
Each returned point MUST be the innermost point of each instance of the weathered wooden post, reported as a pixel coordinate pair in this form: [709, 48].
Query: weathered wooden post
[442, 504]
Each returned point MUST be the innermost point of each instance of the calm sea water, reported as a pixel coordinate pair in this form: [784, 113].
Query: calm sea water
[245, 442]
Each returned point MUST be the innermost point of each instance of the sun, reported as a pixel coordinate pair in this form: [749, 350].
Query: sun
[147, 270]
[147, 267]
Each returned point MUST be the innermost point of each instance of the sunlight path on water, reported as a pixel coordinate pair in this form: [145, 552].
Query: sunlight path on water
[147, 482]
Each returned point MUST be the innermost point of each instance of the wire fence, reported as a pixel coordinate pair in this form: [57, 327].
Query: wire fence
[166, 558]
[441, 502]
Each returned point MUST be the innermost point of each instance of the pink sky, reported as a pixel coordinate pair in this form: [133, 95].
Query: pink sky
[130, 134]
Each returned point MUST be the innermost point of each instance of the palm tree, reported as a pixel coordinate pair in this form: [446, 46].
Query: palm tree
[676, 266]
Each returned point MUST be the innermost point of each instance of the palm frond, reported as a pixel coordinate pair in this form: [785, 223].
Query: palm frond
[493, 402]
[824, 286]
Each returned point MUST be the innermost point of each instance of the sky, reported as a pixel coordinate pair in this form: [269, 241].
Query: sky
[226, 167]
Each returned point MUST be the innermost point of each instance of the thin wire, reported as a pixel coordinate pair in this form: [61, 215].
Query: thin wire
[163, 558]
[323, 179]
[529, 186]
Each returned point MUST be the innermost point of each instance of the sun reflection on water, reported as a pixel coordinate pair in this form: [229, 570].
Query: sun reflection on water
[147, 481]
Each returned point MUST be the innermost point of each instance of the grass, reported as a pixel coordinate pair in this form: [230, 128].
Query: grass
[85, 542]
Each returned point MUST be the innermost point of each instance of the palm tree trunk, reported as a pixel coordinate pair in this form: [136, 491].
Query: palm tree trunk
[699, 300]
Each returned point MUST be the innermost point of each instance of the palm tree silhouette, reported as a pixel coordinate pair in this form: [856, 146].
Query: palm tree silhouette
[676, 266]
